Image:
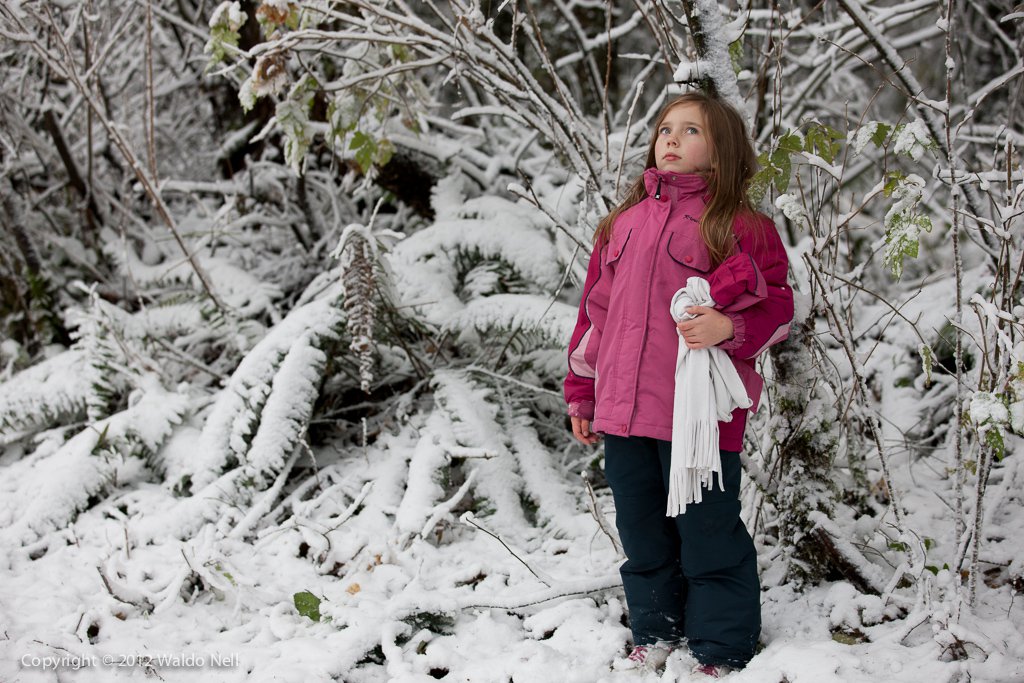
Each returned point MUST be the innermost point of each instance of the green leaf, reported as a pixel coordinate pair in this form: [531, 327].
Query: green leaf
[790, 142]
[854, 637]
[359, 138]
[400, 53]
[226, 574]
[736, 55]
[784, 168]
[898, 545]
[307, 604]
[994, 439]
[833, 145]
[880, 134]
[221, 39]
[814, 139]
[821, 140]
[762, 180]
[101, 441]
[892, 181]
[385, 150]
[365, 149]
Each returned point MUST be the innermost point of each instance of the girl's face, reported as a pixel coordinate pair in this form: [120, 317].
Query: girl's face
[681, 144]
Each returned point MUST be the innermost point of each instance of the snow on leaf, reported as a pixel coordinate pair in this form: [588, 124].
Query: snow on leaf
[904, 222]
[792, 208]
[913, 140]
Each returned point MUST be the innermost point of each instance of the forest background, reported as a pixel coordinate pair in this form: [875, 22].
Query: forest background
[287, 286]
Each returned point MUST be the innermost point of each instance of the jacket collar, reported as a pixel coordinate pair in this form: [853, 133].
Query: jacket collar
[665, 185]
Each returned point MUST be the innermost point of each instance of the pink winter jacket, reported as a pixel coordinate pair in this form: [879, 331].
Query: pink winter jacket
[622, 353]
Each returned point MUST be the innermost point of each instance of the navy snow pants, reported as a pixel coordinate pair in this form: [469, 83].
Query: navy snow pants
[692, 576]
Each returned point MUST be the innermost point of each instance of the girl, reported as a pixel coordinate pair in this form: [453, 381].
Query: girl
[691, 576]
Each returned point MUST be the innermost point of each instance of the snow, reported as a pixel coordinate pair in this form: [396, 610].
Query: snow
[60, 484]
[505, 625]
[528, 313]
[861, 138]
[427, 263]
[284, 353]
[913, 140]
[45, 393]
[988, 408]
[717, 36]
[228, 13]
[1016, 410]
[791, 208]
[239, 288]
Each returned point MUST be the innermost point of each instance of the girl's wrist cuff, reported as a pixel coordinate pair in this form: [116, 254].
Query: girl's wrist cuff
[739, 333]
[582, 409]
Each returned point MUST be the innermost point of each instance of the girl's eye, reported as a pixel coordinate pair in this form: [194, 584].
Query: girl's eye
[664, 130]
[692, 131]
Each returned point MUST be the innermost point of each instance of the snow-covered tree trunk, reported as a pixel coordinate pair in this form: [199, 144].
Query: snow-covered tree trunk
[805, 428]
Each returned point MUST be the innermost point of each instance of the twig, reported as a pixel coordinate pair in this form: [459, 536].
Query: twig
[142, 602]
[67, 69]
[443, 509]
[262, 506]
[312, 458]
[625, 136]
[582, 587]
[513, 380]
[910, 83]
[468, 518]
[185, 358]
[74, 175]
[150, 99]
[598, 515]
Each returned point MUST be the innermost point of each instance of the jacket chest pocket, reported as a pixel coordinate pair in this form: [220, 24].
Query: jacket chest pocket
[688, 250]
[616, 246]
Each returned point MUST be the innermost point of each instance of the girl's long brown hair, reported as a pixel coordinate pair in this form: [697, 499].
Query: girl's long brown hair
[733, 164]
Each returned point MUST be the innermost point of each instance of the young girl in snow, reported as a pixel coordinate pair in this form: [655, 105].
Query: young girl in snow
[693, 575]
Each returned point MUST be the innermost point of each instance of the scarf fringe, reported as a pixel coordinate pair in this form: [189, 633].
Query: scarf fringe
[700, 440]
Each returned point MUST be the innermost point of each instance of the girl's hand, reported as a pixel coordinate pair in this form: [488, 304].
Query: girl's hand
[581, 430]
[709, 327]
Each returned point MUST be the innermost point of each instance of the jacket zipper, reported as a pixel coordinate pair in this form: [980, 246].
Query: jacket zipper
[647, 312]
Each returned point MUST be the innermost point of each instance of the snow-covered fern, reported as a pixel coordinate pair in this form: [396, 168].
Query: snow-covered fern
[289, 357]
[49, 393]
[46, 491]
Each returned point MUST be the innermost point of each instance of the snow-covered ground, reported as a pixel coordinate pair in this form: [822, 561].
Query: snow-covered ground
[111, 598]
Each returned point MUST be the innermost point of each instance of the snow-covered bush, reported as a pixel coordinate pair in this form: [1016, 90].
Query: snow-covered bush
[286, 296]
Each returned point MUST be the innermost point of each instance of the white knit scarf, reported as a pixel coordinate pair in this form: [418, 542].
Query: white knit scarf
[708, 389]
